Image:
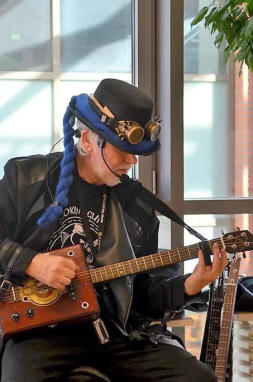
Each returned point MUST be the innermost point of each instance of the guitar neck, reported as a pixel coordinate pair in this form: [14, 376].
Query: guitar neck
[227, 320]
[149, 262]
[212, 327]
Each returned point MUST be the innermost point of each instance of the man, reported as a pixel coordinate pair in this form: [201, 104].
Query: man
[50, 202]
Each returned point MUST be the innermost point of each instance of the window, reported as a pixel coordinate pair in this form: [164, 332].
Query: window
[51, 50]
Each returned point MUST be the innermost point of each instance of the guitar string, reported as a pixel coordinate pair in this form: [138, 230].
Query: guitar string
[134, 262]
[86, 275]
[215, 310]
[114, 268]
[209, 354]
[226, 325]
[83, 276]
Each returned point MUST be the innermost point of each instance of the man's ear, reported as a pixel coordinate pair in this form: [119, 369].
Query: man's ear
[86, 141]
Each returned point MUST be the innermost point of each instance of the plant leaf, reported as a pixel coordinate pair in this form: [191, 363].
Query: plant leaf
[199, 16]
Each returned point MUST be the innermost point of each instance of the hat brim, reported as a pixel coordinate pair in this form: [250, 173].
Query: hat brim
[92, 120]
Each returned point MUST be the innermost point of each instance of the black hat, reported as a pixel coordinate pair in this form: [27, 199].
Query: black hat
[121, 113]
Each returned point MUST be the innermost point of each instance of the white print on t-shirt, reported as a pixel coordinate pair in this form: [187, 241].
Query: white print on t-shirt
[93, 220]
[71, 229]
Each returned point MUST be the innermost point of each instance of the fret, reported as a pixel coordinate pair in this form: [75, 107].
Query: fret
[13, 294]
[189, 252]
[136, 263]
[93, 274]
[157, 260]
[179, 254]
[103, 271]
[115, 271]
[120, 269]
[100, 276]
[161, 260]
[111, 270]
[169, 256]
[144, 259]
[153, 261]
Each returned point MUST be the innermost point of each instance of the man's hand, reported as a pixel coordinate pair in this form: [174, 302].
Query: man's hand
[55, 271]
[204, 275]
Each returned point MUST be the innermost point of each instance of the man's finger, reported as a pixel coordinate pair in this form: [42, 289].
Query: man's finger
[201, 263]
[224, 260]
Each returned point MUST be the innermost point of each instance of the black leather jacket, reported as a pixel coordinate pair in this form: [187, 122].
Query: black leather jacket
[24, 194]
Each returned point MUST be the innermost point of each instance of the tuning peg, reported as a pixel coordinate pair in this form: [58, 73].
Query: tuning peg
[244, 255]
[238, 228]
[222, 232]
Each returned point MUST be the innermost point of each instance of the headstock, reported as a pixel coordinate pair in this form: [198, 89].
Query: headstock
[238, 241]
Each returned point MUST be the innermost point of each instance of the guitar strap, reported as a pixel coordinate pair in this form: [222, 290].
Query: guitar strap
[136, 188]
[6, 283]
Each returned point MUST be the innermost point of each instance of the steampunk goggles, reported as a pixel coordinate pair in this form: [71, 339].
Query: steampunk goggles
[130, 131]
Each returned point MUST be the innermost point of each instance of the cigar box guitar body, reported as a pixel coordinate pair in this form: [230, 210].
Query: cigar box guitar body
[36, 304]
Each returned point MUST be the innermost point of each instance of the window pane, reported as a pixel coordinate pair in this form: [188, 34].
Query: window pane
[201, 56]
[25, 35]
[25, 119]
[207, 141]
[96, 36]
[212, 226]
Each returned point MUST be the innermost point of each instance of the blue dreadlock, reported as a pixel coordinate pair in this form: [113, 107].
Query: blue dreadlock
[66, 178]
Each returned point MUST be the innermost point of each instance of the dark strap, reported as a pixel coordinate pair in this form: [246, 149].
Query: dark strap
[136, 188]
[161, 207]
[6, 283]
[5, 246]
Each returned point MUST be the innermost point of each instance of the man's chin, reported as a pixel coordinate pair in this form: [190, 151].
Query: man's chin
[112, 182]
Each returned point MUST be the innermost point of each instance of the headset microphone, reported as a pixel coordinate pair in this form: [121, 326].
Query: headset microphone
[124, 178]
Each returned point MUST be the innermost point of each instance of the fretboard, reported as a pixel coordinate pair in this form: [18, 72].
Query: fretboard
[227, 320]
[213, 321]
[149, 262]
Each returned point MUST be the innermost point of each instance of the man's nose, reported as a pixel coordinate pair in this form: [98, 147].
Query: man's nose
[131, 158]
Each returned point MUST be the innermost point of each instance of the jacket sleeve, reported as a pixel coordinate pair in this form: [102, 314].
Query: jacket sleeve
[160, 290]
[9, 247]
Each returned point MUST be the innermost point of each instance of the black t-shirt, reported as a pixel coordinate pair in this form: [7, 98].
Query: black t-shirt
[85, 202]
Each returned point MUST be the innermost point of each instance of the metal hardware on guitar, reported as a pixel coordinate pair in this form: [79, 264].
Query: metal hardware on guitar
[71, 291]
[101, 331]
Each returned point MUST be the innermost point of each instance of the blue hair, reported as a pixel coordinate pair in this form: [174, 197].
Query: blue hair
[66, 178]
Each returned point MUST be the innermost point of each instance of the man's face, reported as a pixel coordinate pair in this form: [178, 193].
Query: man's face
[119, 161]
[95, 171]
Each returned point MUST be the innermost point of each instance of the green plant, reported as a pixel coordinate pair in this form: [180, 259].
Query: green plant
[232, 21]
